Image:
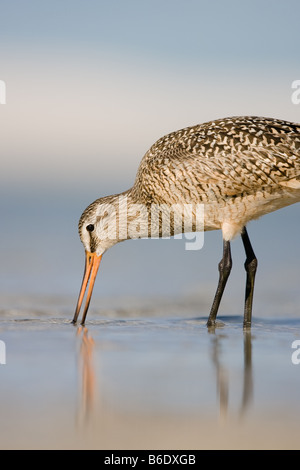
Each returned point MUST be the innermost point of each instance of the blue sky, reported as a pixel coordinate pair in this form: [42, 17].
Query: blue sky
[169, 30]
[92, 84]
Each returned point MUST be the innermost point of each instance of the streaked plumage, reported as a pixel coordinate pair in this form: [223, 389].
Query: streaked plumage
[240, 168]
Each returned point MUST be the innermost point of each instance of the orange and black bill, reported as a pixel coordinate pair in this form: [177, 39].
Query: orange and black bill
[92, 262]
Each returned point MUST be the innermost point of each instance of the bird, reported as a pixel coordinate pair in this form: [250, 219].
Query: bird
[237, 168]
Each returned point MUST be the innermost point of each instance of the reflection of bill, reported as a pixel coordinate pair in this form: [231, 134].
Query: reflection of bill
[2, 353]
[88, 372]
[2, 92]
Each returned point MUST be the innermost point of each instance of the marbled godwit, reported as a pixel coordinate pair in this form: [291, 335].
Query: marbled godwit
[240, 168]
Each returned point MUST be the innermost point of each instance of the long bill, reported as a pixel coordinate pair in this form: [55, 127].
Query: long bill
[92, 262]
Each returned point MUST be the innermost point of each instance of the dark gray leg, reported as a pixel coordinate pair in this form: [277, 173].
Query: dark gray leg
[250, 267]
[224, 270]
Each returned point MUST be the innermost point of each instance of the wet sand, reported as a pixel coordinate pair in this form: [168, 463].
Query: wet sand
[147, 379]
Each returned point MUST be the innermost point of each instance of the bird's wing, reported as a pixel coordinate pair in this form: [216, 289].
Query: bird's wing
[232, 157]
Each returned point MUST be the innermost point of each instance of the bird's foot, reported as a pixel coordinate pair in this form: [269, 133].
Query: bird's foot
[212, 325]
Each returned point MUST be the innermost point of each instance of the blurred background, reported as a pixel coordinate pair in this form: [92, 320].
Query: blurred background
[90, 86]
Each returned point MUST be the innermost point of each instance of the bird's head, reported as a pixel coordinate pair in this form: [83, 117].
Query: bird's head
[98, 230]
[98, 225]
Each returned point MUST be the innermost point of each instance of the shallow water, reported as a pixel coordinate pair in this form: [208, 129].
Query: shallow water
[151, 378]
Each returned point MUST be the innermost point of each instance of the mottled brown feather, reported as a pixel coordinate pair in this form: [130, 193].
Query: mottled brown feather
[227, 157]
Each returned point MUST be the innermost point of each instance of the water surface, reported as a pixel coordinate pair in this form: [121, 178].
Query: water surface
[147, 378]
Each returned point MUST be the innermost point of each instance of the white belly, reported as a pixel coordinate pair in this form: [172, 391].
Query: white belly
[232, 214]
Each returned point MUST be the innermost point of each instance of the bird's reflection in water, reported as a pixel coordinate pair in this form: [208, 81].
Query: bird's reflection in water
[222, 374]
[87, 375]
[90, 403]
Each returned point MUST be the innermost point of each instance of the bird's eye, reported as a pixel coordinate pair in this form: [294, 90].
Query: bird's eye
[90, 227]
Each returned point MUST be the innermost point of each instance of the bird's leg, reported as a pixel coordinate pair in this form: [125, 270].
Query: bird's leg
[250, 267]
[224, 270]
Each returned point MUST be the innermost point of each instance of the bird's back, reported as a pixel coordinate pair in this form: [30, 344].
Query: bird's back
[223, 158]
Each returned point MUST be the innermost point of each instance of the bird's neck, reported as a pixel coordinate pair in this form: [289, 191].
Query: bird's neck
[132, 217]
[137, 220]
